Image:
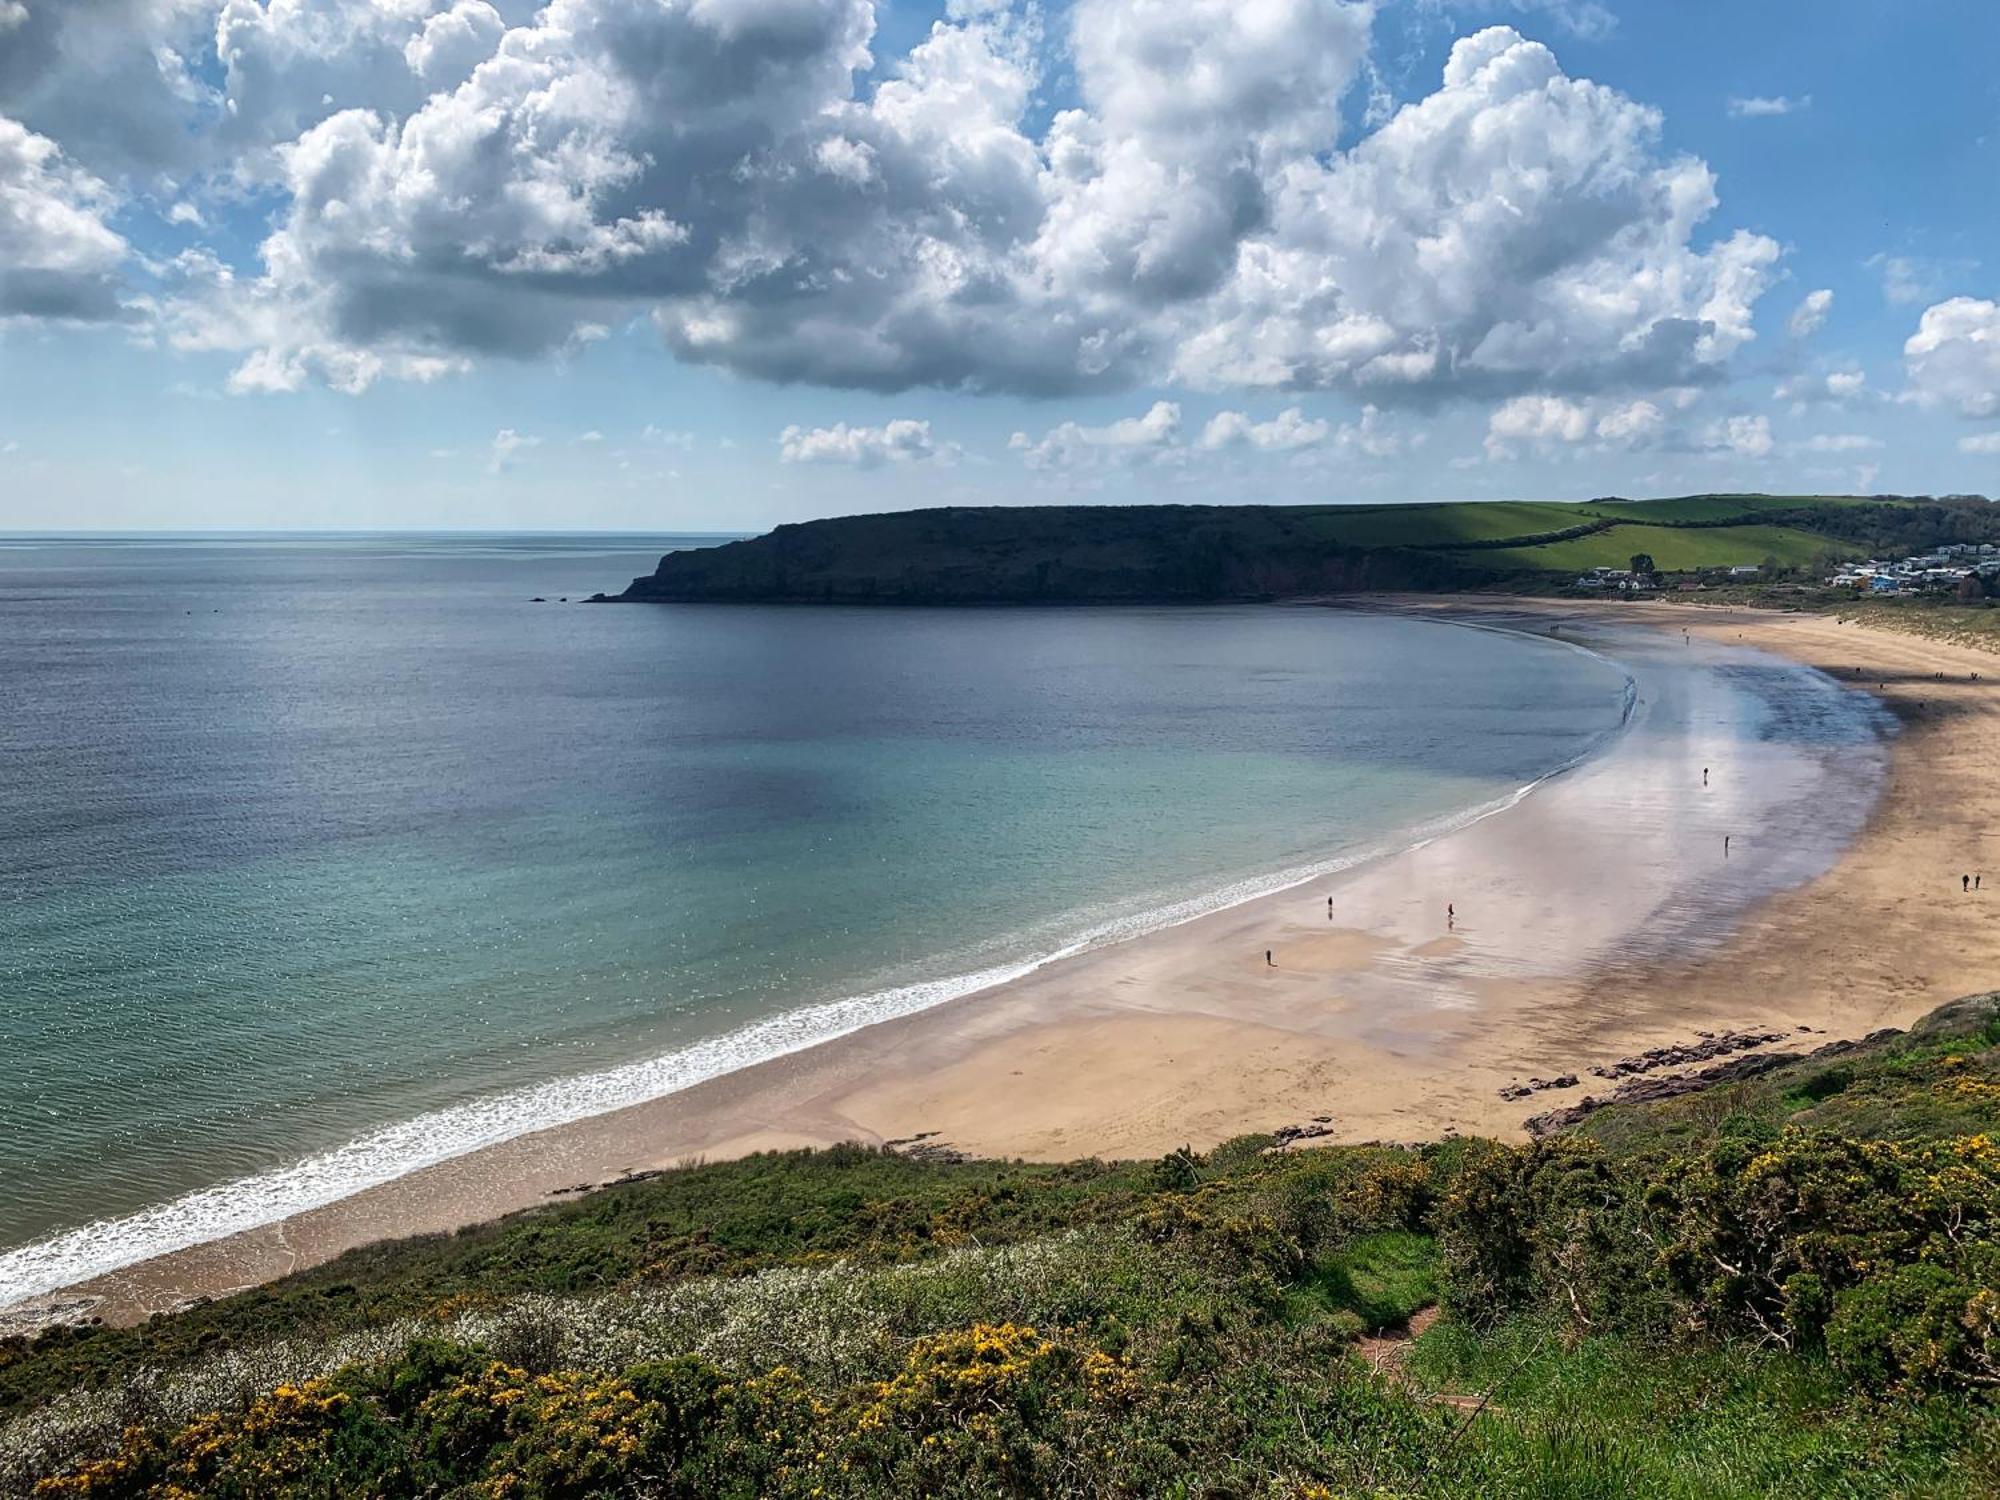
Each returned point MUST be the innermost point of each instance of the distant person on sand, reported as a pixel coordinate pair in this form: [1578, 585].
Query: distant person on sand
[1725, 846]
[1450, 916]
[1965, 882]
[1269, 962]
[1704, 775]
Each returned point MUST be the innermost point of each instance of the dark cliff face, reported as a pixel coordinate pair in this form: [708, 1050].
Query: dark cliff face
[1042, 554]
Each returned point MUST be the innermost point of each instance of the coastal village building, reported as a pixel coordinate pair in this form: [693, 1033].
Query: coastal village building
[1944, 568]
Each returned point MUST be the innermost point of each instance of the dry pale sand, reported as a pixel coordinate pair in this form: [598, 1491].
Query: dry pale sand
[1596, 918]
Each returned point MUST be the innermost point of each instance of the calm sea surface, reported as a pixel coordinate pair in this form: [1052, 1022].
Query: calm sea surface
[306, 839]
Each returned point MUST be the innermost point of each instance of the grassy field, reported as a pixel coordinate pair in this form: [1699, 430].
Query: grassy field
[1780, 1288]
[1441, 525]
[1673, 549]
[1688, 508]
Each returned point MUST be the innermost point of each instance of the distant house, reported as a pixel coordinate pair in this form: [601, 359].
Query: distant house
[1606, 578]
[1745, 570]
[1883, 584]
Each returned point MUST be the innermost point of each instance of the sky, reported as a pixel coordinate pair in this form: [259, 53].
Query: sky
[718, 264]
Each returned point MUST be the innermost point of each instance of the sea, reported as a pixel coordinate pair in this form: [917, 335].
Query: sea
[327, 857]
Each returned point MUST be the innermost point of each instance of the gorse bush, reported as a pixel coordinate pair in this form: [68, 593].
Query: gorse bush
[1793, 1289]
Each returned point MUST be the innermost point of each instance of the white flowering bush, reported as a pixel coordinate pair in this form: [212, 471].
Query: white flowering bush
[840, 1322]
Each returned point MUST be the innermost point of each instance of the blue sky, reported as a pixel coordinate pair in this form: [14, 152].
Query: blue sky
[716, 264]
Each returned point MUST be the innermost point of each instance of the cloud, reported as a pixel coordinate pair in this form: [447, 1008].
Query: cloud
[1741, 436]
[111, 80]
[1953, 359]
[1129, 439]
[787, 205]
[903, 440]
[1810, 315]
[1903, 279]
[1551, 422]
[1633, 425]
[1913, 278]
[1758, 107]
[1980, 442]
[592, 436]
[177, 88]
[454, 41]
[1284, 433]
[506, 444]
[1372, 436]
[1538, 420]
[1586, 19]
[58, 258]
[1816, 388]
[1839, 442]
[1515, 229]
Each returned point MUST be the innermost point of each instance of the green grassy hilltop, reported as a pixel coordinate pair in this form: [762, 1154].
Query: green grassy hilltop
[1099, 554]
[1785, 1286]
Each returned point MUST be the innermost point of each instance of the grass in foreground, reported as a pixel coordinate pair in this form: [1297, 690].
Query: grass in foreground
[1788, 1291]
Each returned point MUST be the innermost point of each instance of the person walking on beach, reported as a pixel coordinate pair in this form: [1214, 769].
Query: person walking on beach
[1725, 846]
[1965, 882]
[1450, 916]
[1269, 962]
[1704, 775]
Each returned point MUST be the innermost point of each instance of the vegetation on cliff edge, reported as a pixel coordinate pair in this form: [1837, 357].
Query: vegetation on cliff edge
[1789, 1286]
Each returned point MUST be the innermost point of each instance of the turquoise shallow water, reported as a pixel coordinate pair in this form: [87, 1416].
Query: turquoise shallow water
[308, 838]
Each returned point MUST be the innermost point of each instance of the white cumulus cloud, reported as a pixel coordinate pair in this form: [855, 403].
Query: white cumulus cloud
[1766, 106]
[1953, 359]
[1129, 439]
[1742, 436]
[58, 257]
[1816, 388]
[1287, 431]
[1839, 442]
[1632, 425]
[1535, 420]
[903, 440]
[462, 178]
[507, 444]
[1810, 315]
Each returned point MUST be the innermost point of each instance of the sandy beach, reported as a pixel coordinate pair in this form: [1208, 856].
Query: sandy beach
[1599, 916]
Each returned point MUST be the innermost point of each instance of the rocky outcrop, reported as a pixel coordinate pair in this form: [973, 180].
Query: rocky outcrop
[1706, 1045]
[1645, 1090]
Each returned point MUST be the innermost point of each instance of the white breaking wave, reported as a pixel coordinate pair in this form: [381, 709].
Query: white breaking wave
[394, 1151]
